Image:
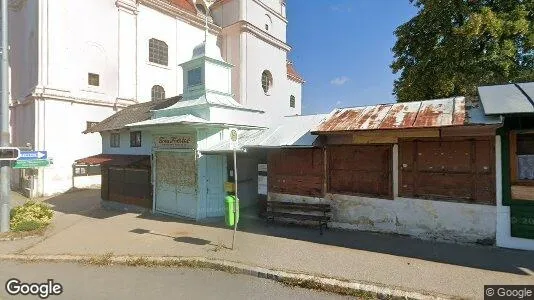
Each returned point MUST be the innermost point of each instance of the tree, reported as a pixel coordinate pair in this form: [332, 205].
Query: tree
[452, 46]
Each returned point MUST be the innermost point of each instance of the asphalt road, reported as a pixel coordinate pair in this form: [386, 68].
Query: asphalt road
[120, 282]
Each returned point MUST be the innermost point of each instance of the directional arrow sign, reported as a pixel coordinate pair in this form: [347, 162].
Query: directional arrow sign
[30, 164]
[30, 155]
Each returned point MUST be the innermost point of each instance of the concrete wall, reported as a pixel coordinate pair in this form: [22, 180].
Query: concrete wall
[426, 219]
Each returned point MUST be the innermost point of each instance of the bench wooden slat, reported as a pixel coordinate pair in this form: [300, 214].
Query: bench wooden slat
[298, 216]
[304, 206]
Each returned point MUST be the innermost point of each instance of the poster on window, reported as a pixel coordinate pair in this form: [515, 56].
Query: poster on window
[525, 167]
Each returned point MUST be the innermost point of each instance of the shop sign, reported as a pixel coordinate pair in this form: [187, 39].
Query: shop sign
[177, 141]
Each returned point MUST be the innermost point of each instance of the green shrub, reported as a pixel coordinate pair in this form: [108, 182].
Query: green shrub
[30, 216]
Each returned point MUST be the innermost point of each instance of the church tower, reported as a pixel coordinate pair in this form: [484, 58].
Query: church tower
[254, 41]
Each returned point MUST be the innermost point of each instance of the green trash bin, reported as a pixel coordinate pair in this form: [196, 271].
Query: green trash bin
[230, 202]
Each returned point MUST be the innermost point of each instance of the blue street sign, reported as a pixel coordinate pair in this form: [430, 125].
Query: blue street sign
[30, 155]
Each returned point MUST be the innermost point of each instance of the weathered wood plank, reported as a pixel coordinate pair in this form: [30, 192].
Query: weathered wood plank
[521, 192]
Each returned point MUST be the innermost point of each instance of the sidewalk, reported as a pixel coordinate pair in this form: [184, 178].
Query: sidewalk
[82, 228]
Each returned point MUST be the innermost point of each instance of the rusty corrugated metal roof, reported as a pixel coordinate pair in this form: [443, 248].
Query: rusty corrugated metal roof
[407, 115]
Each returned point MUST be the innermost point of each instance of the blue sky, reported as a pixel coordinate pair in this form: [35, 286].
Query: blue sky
[342, 48]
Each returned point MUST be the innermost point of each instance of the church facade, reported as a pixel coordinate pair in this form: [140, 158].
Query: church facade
[74, 64]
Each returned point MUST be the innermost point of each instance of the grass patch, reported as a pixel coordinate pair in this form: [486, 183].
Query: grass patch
[314, 285]
[100, 260]
[16, 235]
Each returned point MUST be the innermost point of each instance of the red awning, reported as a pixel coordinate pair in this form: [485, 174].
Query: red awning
[112, 159]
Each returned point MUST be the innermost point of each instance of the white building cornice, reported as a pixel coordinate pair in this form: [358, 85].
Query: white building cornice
[176, 12]
[245, 26]
[260, 3]
[128, 6]
[56, 94]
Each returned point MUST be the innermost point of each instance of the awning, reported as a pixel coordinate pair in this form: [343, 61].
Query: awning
[508, 98]
[112, 159]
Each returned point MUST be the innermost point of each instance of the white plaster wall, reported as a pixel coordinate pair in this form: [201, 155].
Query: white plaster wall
[256, 14]
[75, 45]
[93, 181]
[61, 124]
[23, 49]
[263, 56]
[181, 38]
[427, 219]
[147, 143]
[226, 14]
[230, 116]
[218, 78]
[295, 89]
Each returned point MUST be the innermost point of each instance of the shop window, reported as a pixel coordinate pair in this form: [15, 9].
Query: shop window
[135, 139]
[115, 140]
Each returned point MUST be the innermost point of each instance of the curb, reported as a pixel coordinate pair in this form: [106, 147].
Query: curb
[362, 290]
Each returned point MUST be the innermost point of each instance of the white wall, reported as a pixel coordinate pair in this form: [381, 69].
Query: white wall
[181, 38]
[146, 144]
[61, 135]
[427, 219]
[74, 46]
[256, 14]
[23, 35]
[263, 56]
[295, 89]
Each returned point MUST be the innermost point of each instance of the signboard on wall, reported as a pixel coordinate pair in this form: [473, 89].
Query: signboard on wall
[175, 141]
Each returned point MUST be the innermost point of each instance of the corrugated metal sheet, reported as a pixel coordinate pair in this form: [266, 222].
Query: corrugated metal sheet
[409, 115]
[292, 131]
[508, 98]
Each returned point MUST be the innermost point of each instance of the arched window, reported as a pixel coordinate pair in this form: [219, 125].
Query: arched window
[158, 52]
[292, 101]
[158, 93]
[266, 81]
[268, 22]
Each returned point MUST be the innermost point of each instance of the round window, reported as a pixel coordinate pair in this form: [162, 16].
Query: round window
[266, 81]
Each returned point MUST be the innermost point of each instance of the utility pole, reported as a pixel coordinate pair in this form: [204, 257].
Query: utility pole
[5, 170]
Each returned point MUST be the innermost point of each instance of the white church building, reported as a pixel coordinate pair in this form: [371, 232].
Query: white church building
[74, 63]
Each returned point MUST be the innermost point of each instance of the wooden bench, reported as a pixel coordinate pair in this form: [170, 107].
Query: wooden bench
[299, 212]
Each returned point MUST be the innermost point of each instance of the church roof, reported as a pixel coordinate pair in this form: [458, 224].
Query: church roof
[293, 74]
[186, 5]
[132, 114]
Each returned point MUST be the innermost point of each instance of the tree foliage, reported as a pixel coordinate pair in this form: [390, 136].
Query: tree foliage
[452, 46]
